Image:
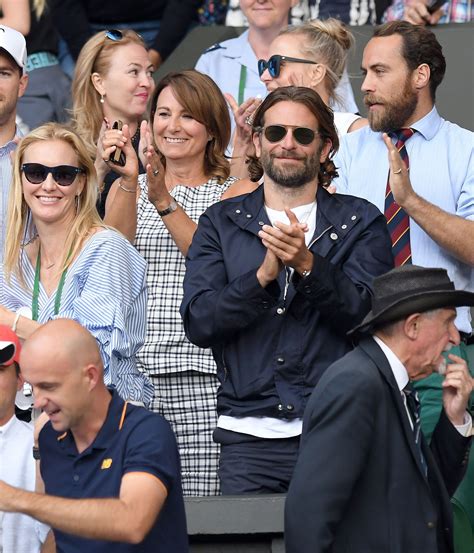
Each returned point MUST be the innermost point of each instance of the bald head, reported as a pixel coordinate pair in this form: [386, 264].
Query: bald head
[61, 360]
[64, 340]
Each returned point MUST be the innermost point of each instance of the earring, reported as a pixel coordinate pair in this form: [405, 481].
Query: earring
[78, 203]
[101, 98]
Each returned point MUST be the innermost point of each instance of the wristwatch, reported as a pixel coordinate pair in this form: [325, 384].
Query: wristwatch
[172, 207]
[36, 453]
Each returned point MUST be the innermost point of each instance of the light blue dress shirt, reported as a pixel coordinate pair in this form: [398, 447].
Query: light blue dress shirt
[441, 171]
[5, 182]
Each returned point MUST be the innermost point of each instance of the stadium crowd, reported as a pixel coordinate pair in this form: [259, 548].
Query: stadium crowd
[228, 280]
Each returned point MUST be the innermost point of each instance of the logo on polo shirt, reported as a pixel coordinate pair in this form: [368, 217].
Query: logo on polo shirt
[106, 464]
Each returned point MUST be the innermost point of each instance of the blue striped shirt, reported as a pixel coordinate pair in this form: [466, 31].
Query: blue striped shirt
[105, 291]
[441, 171]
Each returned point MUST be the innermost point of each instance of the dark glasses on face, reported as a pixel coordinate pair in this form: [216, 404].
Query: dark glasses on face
[274, 64]
[114, 34]
[64, 175]
[302, 135]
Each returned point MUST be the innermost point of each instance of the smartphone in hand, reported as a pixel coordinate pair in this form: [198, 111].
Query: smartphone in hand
[118, 157]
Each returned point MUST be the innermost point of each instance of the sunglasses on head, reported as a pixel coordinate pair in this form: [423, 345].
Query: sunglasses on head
[302, 135]
[114, 34]
[64, 175]
[274, 64]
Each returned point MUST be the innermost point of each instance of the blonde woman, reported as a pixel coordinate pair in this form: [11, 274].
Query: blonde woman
[47, 97]
[112, 81]
[62, 262]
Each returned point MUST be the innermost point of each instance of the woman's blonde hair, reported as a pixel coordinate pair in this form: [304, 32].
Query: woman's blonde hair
[94, 58]
[327, 42]
[19, 220]
[202, 99]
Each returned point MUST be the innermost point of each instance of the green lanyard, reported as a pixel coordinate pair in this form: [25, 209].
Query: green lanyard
[59, 291]
[242, 81]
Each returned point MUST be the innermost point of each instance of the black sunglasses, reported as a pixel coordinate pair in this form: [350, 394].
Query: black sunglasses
[274, 64]
[302, 135]
[114, 34]
[64, 175]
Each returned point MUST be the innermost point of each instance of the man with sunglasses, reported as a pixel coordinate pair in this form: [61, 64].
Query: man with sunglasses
[13, 81]
[274, 280]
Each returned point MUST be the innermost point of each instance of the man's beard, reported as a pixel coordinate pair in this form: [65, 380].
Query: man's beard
[291, 176]
[394, 115]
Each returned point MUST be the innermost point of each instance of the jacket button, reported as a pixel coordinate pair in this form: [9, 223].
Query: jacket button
[431, 524]
[333, 236]
[248, 216]
[343, 227]
[265, 304]
[280, 407]
[280, 310]
[353, 218]
[261, 223]
[280, 360]
[289, 407]
[238, 211]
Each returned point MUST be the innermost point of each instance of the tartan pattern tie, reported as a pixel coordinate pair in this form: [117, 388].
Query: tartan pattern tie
[398, 222]
[413, 404]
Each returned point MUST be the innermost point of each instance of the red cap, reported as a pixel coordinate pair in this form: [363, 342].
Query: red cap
[9, 346]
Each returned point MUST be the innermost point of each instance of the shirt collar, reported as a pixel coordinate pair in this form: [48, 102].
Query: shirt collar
[240, 48]
[11, 145]
[398, 368]
[108, 430]
[9, 426]
[428, 125]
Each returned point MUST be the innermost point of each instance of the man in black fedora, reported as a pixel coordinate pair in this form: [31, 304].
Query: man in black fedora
[366, 480]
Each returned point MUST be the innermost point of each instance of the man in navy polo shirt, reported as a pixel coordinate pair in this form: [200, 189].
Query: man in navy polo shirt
[110, 469]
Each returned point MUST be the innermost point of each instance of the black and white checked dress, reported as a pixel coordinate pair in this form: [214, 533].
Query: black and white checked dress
[184, 375]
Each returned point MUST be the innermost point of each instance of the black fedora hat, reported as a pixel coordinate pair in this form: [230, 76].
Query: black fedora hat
[410, 289]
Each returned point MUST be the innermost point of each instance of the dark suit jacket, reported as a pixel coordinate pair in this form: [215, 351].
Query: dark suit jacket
[358, 486]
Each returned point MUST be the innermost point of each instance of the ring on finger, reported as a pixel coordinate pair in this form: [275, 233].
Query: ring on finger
[249, 120]
[398, 171]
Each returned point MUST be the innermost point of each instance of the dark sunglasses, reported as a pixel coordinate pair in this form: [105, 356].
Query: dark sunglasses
[274, 64]
[302, 135]
[64, 175]
[114, 34]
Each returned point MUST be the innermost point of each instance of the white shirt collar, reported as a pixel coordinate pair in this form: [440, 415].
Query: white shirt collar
[398, 368]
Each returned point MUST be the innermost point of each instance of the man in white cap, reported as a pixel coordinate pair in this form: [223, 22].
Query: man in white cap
[13, 81]
[18, 533]
[366, 479]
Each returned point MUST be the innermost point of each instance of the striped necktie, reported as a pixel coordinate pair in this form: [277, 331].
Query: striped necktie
[413, 404]
[398, 222]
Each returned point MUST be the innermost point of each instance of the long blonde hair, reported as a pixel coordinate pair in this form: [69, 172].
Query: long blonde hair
[327, 42]
[19, 223]
[94, 58]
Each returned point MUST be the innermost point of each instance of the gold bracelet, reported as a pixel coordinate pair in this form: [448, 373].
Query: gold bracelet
[127, 189]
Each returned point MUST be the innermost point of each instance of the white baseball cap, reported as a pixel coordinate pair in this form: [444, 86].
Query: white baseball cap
[14, 44]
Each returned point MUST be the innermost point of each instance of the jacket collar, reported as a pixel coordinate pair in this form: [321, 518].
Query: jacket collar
[333, 214]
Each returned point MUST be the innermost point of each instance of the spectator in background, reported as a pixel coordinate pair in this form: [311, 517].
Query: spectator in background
[47, 97]
[18, 533]
[312, 55]
[110, 469]
[418, 12]
[161, 23]
[113, 81]
[233, 64]
[213, 12]
[60, 260]
[190, 128]
[274, 280]
[12, 87]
